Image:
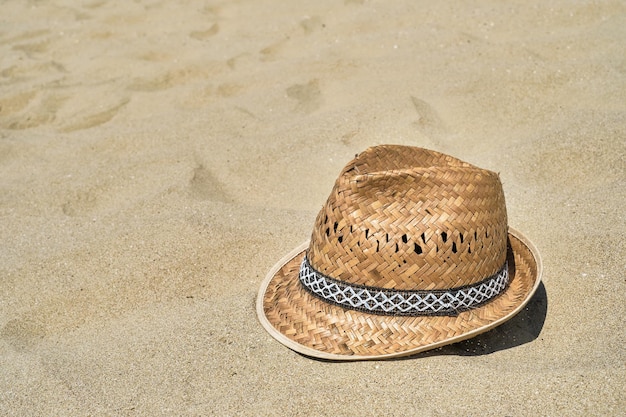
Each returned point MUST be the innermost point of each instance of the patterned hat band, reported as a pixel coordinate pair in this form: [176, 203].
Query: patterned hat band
[403, 303]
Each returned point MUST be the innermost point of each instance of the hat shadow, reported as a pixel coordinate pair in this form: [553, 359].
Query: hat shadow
[523, 328]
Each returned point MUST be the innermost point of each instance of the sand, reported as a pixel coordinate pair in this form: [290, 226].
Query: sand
[157, 158]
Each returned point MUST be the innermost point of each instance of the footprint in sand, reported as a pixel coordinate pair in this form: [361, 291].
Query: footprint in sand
[80, 203]
[24, 36]
[269, 53]
[311, 24]
[174, 78]
[33, 48]
[21, 334]
[16, 103]
[95, 119]
[29, 109]
[202, 35]
[308, 96]
[32, 70]
[428, 120]
[204, 186]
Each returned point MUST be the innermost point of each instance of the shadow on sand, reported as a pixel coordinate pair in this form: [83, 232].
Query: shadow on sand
[521, 329]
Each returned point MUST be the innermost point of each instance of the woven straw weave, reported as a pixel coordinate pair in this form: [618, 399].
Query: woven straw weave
[309, 321]
[411, 220]
[404, 219]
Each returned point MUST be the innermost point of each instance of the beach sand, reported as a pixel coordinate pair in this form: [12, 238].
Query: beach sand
[157, 158]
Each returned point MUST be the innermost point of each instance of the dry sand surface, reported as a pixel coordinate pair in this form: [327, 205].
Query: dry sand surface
[157, 158]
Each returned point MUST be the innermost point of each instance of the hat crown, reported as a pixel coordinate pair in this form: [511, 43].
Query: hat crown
[408, 218]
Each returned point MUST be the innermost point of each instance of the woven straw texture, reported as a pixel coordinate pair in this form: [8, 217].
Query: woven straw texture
[397, 213]
[310, 326]
[400, 218]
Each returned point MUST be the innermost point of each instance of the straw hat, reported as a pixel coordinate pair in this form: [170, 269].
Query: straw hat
[411, 251]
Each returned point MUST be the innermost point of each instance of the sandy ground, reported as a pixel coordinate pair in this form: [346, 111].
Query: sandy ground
[157, 158]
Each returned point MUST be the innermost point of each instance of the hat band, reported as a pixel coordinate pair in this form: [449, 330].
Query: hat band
[402, 303]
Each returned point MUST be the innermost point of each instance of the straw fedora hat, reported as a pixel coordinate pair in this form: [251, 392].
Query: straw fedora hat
[411, 251]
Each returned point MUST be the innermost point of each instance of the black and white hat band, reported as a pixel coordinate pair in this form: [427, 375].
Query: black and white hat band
[385, 301]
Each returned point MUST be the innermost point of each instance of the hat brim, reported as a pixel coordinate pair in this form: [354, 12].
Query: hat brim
[312, 327]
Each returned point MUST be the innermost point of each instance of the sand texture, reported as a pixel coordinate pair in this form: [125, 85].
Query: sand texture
[157, 158]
